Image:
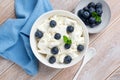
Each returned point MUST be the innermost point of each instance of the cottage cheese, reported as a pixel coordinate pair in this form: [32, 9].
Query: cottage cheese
[48, 41]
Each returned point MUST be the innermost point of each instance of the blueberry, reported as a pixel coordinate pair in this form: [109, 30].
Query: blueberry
[52, 59]
[53, 23]
[86, 14]
[67, 59]
[85, 9]
[92, 25]
[97, 23]
[91, 10]
[98, 5]
[92, 20]
[91, 4]
[57, 36]
[70, 29]
[80, 47]
[99, 11]
[38, 34]
[86, 22]
[54, 50]
[67, 46]
[82, 18]
[80, 13]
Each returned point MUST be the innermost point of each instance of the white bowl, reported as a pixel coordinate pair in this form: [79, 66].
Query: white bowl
[33, 40]
[105, 16]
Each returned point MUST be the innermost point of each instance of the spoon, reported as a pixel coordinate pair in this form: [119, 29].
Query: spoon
[88, 56]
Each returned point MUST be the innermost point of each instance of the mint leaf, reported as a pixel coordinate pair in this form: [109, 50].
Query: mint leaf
[67, 40]
[98, 19]
[96, 16]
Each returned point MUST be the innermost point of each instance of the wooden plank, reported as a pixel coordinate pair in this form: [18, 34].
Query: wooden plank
[6, 10]
[115, 75]
[4, 65]
[16, 73]
[68, 73]
[68, 5]
[45, 73]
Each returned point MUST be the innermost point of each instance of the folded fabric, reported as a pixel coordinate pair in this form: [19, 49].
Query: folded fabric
[14, 34]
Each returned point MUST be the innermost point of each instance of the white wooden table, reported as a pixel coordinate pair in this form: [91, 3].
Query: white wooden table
[104, 66]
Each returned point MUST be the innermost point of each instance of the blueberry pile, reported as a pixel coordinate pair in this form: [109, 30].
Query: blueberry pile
[91, 14]
[55, 50]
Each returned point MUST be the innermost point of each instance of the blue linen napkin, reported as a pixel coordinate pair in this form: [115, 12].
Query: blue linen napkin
[14, 34]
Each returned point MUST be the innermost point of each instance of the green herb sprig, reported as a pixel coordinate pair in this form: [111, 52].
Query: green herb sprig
[67, 40]
[96, 16]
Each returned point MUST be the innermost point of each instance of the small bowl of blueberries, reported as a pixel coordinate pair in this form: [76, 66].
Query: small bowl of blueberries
[95, 14]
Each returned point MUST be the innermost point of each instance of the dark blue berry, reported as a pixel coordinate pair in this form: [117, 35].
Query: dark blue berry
[67, 59]
[99, 11]
[52, 59]
[80, 13]
[85, 9]
[86, 14]
[92, 20]
[91, 10]
[86, 22]
[38, 34]
[67, 46]
[91, 4]
[53, 23]
[57, 36]
[92, 25]
[97, 23]
[98, 5]
[54, 50]
[82, 18]
[70, 29]
[80, 47]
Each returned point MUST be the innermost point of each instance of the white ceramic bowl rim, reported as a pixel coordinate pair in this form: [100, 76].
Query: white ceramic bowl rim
[33, 41]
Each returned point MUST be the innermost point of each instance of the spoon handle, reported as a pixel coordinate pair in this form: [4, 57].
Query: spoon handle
[90, 53]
